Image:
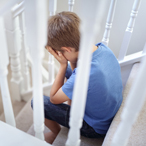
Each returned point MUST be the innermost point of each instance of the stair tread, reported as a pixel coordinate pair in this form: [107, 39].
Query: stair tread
[32, 132]
[62, 137]
[17, 106]
[25, 117]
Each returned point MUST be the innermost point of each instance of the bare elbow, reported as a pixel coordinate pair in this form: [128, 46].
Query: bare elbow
[51, 99]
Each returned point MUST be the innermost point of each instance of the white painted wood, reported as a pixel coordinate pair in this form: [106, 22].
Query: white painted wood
[36, 39]
[14, 46]
[133, 105]
[46, 91]
[131, 59]
[24, 53]
[109, 22]
[51, 68]
[44, 71]
[129, 30]
[88, 31]
[4, 60]
[17, 137]
[52, 9]
[18, 9]
[7, 6]
[144, 49]
[70, 5]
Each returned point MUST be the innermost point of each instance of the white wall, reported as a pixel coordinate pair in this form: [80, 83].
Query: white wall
[122, 15]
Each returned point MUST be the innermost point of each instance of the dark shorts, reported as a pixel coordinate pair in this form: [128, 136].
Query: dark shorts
[61, 113]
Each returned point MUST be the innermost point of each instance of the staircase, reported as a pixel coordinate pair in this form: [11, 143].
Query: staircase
[24, 121]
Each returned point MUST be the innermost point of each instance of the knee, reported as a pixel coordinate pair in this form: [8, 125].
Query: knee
[46, 101]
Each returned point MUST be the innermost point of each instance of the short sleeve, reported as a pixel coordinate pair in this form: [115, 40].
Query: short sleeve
[68, 71]
[68, 87]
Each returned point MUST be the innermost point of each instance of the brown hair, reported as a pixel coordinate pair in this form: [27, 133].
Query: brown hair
[63, 31]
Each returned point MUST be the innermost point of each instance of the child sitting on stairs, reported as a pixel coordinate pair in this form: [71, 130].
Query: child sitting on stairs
[104, 95]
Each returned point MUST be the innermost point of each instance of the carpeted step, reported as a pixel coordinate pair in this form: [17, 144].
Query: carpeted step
[138, 132]
[17, 106]
[62, 137]
[24, 119]
[32, 132]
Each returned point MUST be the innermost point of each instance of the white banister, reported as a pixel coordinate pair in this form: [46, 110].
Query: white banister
[24, 52]
[52, 9]
[4, 61]
[109, 22]
[14, 46]
[88, 29]
[133, 105]
[70, 5]
[36, 39]
[129, 30]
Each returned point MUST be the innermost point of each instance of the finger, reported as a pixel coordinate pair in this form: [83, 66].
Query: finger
[53, 52]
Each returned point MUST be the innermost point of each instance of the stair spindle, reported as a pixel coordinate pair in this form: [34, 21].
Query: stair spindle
[24, 52]
[129, 30]
[52, 9]
[4, 61]
[36, 39]
[109, 22]
[70, 5]
[14, 46]
[88, 29]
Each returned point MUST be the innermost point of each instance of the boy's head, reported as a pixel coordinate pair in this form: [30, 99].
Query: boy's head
[63, 31]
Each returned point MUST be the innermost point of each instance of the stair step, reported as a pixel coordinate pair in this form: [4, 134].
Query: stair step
[17, 106]
[24, 119]
[11, 136]
[32, 132]
[138, 131]
[62, 137]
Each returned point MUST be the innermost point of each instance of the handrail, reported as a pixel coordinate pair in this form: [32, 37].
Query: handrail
[8, 6]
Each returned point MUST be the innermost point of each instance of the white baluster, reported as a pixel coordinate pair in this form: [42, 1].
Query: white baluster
[36, 11]
[14, 46]
[88, 28]
[109, 22]
[70, 5]
[24, 52]
[129, 30]
[133, 105]
[4, 61]
[52, 9]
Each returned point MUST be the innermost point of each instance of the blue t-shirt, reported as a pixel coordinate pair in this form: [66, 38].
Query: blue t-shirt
[104, 96]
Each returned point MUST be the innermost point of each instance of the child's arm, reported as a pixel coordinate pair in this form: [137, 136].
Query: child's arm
[57, 96]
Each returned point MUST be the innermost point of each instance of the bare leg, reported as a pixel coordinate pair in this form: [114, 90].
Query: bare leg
[54, 127]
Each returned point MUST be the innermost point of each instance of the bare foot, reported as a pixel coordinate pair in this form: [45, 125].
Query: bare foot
[50, 137]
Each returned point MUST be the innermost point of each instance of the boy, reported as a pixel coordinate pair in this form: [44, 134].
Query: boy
[104, 95]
